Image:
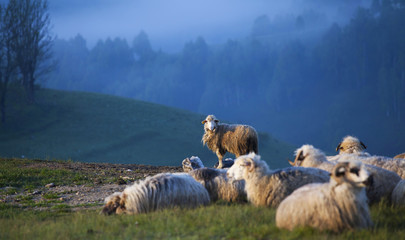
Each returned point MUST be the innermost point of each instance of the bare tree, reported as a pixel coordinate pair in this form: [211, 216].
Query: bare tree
[32, 43]
[7, 59]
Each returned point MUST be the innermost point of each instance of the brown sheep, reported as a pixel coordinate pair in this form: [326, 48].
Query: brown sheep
[400, 156]
[233, 138]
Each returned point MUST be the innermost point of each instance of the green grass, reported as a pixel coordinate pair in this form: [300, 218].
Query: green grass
[14, 174]
[91, 127]
[218, 221]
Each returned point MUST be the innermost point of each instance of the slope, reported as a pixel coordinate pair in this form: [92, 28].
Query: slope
[91, 127]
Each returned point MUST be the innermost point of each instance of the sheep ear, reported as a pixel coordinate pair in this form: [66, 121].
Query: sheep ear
[291, 162]
[216, 121]
[251, 164]
[338, 147]
[362, 144]
[203, 122]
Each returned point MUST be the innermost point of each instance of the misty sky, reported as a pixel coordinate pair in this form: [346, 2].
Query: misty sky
[169, 24]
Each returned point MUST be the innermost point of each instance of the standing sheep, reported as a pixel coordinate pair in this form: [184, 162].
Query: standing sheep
[384, 181]
[165, 190]
[338, 205]
[222, 138]
[265, 187]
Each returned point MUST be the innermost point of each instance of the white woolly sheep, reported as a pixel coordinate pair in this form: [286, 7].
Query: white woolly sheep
[338, 205]
[384, 181]
[233, 138]
[165, 190]
[398, 194]
[265, 187]
[219, 186]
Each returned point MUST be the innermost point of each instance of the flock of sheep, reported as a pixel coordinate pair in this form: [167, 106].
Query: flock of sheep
[323, 192]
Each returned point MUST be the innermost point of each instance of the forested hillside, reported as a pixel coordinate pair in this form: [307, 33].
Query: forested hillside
[303, 81]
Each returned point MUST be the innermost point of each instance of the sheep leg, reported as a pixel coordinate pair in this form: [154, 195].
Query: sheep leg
[220, 157]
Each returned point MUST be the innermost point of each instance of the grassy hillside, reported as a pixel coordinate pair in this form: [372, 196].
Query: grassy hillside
[70, 210]
[92, 127]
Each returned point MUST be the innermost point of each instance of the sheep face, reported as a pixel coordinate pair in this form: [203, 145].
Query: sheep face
[114, 204]
[192, 163]
[353, 173]
[210, 123]
[350, 145]
[241, 166]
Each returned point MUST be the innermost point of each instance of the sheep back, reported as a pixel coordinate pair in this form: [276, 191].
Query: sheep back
[396, 165]
[270, 190]
[400, 156]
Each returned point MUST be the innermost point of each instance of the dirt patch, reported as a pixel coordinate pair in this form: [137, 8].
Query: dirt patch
[103, 180]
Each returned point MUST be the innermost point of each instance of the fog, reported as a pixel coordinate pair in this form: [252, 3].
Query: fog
[169, 24]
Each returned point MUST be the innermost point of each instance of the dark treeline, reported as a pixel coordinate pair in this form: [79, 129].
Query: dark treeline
[294, 77]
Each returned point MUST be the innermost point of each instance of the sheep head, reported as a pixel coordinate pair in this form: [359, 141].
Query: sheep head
[210, 123]
[352, 172]
[242, 166]
[308, 156]
[350, 144]
[114, 204]
[192, 163]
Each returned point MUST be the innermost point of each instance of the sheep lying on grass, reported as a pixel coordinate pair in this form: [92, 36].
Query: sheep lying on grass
[165, 190]
[398, 194]
[265, 187]
[384, 181]
[222, 138]
[338, 205]
[352, 145]
[215, 181]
